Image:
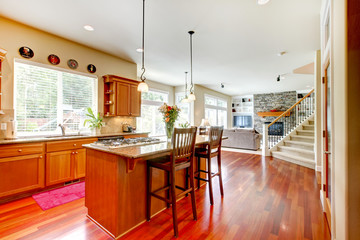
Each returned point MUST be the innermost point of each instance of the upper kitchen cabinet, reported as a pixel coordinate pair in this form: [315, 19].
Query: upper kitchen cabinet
[2, 57]
[121, 97]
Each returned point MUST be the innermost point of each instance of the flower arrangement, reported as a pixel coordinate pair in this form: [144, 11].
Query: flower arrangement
[170, 115]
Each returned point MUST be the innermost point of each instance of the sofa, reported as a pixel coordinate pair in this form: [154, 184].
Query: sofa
[242, 138]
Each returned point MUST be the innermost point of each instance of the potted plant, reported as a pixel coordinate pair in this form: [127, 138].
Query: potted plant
[95, 122]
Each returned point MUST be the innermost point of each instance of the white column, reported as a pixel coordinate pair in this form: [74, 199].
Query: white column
[265, 145]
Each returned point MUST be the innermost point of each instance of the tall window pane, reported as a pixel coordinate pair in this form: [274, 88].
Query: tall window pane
[151, 119]
[45, 97]
[216, 111]
[184, 115]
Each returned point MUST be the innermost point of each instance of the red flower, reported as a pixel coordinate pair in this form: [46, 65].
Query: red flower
[169, 108]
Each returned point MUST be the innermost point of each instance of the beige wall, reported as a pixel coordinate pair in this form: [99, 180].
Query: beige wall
[199, 108]
[15, 35]
[318, 111]
[163, 87]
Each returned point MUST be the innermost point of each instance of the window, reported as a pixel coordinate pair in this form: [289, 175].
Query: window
[45, 97]
[184, 115]
[151, 119]
[216, 111]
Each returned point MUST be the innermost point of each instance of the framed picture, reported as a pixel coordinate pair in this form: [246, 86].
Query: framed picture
[26, 52]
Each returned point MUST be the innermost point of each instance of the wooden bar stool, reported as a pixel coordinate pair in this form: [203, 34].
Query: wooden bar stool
[181, 158]
[208, 151]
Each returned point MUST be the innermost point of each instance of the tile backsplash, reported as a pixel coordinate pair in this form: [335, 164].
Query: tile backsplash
[4, 118]
[114, 124]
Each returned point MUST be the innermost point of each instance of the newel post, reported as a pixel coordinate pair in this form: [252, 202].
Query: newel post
[265, 145]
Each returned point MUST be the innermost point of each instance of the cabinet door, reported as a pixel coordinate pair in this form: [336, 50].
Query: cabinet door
[20, 174]
[122, 99]
[59, 167]
[135, 101]
[79, 163]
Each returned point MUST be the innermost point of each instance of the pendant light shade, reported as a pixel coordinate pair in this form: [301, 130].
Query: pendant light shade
[192, 95]
[185, 99]
[143, 87]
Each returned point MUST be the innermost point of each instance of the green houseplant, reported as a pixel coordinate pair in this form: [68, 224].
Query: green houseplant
[94, 122]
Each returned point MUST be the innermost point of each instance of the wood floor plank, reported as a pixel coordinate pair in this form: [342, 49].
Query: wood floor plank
[265, 198]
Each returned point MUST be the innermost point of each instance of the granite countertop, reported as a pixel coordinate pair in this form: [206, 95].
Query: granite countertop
[143, 151]
[68, 137]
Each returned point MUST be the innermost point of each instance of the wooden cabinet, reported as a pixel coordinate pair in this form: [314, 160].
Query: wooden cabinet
[21, 168]
[2, 57]
[65, 160]
[121, 97]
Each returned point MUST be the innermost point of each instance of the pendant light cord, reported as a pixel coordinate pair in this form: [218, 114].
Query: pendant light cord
[191, 72]
[142, 77]
[186, 84]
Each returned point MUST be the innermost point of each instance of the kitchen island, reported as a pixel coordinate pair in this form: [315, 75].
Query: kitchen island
[115, 192]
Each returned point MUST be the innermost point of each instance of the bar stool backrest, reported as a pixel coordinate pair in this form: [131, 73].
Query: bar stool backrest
[215, 136]
[183, 144]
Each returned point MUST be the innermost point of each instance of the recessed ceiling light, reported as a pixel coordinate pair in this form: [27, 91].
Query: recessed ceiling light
[140, 50]
[262, 2]
[307, 86]
[89, 28]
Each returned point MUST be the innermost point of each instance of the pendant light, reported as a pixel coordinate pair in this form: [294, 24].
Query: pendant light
[185, 99]
[143, 87]
[192, 95]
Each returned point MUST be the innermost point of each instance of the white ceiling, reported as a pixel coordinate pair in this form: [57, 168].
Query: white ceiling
[235, 42]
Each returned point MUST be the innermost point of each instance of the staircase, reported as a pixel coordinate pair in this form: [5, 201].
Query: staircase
[298, 147]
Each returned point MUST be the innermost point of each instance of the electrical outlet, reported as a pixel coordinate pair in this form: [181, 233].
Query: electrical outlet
[3, 126]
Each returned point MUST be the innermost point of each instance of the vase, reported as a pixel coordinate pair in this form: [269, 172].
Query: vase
[169, 127]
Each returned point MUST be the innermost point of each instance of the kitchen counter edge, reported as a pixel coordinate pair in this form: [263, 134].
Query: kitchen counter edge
[48, 139]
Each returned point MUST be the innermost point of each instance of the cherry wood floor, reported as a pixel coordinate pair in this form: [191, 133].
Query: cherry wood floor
[265, 198]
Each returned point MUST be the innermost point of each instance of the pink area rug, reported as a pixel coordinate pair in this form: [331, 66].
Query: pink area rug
[53, 198]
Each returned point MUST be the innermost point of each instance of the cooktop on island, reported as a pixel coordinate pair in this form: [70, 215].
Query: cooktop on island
[120, 141]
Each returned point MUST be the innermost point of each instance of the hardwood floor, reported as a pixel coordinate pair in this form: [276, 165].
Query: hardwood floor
[264, 198]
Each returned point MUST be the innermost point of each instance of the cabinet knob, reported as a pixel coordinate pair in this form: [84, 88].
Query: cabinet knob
[76, 152]
[40, 157]
[20, 150]
[72, 153]
[74, 144]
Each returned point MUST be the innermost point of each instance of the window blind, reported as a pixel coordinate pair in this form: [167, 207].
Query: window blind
[45, 97]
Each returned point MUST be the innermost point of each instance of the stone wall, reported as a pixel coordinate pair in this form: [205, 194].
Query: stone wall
[265, 102]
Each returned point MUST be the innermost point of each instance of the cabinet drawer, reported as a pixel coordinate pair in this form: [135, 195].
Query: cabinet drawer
[14, 150]
[68, 144]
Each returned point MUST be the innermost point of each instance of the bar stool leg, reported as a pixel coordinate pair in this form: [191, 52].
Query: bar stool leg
[192, 193]
[220, 175]
[167, 191]
[187, 180]
[173, 203]
[198, 172]
[148, 195]
[210, 180]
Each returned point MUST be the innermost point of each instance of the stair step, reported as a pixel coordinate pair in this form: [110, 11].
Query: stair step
[305, 132]
[311, 122]
[294, 159]
[308, 127]
[297, 152]
[298, 144]
[301, 138]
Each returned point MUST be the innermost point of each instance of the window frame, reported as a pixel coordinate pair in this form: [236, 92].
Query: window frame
[95, 107]
[217, 108]
[154, 103]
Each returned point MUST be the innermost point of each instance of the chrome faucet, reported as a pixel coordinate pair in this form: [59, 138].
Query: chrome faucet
[62, 129]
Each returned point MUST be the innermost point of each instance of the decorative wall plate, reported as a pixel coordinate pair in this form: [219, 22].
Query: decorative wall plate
[53, 59]
[26, 52]
[91, 68]
[72, 63]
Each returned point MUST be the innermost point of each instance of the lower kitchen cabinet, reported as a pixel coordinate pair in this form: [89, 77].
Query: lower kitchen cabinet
[21, 174]
[68, 164]
[59, 167]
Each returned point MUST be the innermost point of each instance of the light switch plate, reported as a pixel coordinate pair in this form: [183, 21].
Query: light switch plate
[3, 126]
